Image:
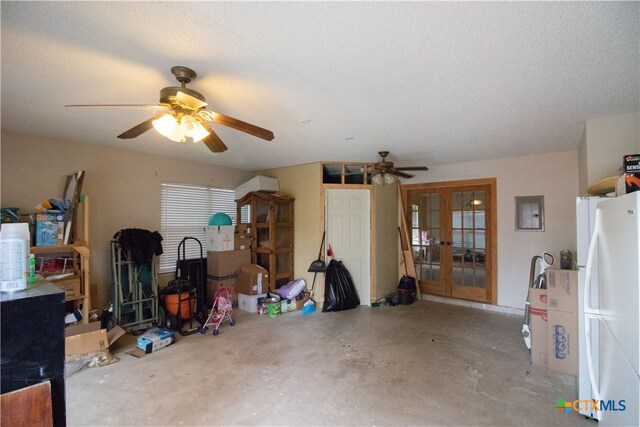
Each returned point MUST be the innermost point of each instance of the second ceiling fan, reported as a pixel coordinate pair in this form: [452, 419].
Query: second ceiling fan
[183, 116]
[384, 172]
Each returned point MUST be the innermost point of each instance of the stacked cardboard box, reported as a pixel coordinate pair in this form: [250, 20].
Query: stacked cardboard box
[222, 270]
[252, 280]
[562, 323]
[220, 238]
[250, 302]
[538, 318]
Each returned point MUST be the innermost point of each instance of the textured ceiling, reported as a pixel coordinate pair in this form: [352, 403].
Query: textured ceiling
[433, 83]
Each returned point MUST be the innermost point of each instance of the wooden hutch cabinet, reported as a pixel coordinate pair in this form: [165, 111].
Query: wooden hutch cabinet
[269, 219]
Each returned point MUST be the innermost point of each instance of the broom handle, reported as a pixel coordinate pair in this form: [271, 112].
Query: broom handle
[321, 245]
[404, 260]
[313, 285]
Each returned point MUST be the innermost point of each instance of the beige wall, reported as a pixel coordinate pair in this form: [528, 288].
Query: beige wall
[303, 183]
[124, 188]
[555, 176]
[386, 238]
[607, 140]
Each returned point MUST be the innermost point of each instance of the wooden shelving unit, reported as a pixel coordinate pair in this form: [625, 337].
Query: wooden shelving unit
[80, 257]
[270, 218]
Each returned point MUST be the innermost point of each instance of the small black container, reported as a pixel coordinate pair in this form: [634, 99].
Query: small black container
[406, 296]
[407, 290]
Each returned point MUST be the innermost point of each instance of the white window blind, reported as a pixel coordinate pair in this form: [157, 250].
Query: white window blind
[185, 212]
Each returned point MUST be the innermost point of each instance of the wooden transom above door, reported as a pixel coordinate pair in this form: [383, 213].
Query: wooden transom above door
[453, 237]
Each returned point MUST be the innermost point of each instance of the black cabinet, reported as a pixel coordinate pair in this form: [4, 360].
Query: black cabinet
[32, 343]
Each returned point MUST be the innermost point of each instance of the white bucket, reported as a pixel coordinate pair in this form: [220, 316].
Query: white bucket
[14, 257]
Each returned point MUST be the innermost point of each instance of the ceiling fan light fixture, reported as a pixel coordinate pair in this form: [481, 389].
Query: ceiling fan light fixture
[187, 129]
[378, 179]
[389, 179]
[193, 128]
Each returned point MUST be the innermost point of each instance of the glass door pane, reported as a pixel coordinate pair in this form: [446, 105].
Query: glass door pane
[468, 243]
[426, 235]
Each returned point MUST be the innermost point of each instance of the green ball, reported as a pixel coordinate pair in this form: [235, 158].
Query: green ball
[220, 218]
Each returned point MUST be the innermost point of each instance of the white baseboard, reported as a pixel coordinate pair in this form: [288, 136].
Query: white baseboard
[473, 304]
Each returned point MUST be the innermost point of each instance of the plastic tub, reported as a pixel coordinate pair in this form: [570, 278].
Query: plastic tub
[171, 302]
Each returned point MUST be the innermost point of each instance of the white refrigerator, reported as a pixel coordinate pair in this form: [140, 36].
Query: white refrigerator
[609, 314]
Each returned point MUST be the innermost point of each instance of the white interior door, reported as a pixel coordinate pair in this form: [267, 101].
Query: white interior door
[349, 234]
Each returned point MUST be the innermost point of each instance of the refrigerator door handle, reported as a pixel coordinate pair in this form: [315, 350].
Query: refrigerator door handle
[589, 312]
[589, 267]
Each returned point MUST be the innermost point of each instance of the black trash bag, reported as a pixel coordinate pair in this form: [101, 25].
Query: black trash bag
[339, 291]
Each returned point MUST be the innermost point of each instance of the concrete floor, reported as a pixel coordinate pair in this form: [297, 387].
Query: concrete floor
[424, 364]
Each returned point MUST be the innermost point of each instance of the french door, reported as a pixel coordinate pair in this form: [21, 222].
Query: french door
[453, 229]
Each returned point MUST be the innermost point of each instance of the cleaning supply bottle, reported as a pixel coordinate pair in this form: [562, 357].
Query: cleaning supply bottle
[14, 257]
[32, 268]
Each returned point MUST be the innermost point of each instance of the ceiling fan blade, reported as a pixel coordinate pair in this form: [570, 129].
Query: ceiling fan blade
[237, 124]
[413, 168]
[213, 141]
[139, 129]
[190, 101]
[394, 171]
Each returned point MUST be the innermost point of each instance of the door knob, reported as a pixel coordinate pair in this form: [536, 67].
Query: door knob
[441, 243]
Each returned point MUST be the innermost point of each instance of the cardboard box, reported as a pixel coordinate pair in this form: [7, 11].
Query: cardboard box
[49, 229]
[631, 163]
[227, 263]
[538, 318]
[70, 285]
[249, 302]
[89, 338]
[562, 290]
[155, 339]
[215, 283]
[257, 183]
[631, 182]
[220, 238]
[562, 341]
[300, 302]
[252, 280]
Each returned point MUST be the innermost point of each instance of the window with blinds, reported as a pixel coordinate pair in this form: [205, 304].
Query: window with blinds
[185, 212]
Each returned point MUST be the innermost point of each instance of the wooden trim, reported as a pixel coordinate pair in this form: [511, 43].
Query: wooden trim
[347, 186]
[449, 184]
[372, 246]
[494, 242]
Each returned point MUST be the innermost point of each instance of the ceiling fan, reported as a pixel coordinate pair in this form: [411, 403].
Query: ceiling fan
[183, 116]
[384, 172]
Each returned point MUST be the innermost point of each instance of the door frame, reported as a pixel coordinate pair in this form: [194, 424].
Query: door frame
[372, 232]
[492, 248]
[362, 288]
